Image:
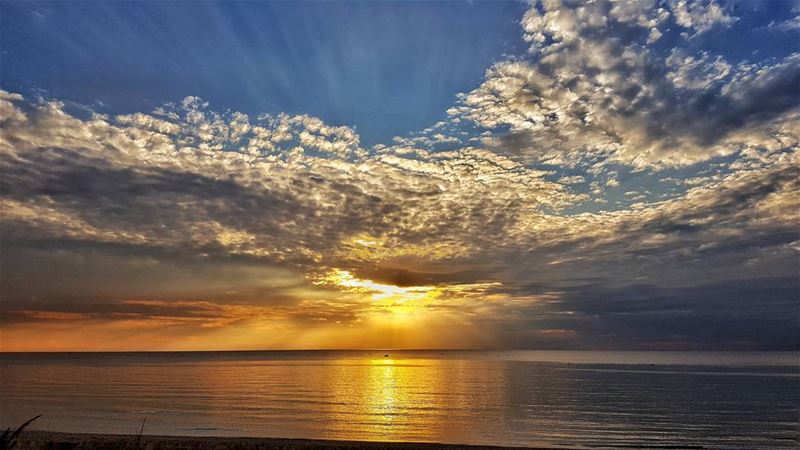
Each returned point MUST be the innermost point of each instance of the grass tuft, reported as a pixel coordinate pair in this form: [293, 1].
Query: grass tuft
[8, 439]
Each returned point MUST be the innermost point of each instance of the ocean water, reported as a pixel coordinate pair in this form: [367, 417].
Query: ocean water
[518, 398]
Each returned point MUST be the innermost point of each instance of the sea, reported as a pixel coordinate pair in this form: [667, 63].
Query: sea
[512, 398]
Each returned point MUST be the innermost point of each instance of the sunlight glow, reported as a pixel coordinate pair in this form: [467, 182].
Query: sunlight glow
[386, 292]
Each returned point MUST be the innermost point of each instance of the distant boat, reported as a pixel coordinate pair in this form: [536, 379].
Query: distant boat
[386, 355]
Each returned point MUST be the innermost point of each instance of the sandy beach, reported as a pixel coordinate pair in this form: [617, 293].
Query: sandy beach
[34, 440]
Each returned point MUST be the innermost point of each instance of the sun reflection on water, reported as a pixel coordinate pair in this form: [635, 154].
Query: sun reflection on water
[391, 397]
[383, 387]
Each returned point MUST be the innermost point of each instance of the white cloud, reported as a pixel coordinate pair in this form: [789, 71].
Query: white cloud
[696, 72]
[595, 87]
[700, 16]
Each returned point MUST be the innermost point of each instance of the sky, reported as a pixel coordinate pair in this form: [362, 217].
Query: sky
[303, 175]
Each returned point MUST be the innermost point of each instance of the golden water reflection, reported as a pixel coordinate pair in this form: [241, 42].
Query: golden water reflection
[381, 399]
[409, 399]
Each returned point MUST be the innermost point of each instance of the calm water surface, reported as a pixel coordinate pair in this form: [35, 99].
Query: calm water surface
[573, 399]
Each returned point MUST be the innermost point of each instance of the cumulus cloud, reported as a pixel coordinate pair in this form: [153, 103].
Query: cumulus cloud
[690, 72]
[596, 86]
[700, 16]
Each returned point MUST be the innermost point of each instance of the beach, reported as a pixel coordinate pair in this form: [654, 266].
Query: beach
[34, 440]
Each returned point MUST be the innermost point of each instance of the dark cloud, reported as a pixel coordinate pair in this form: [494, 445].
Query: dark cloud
[405, 278]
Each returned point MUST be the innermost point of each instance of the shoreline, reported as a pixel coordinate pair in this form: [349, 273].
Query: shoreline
[35, 440]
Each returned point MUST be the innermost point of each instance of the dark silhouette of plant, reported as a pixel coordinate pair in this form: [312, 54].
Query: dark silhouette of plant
[9, 438]
[139, 436]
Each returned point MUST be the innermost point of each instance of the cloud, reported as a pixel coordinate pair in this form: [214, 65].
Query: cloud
[701, 72]
[786, 26]
[596, 86]
[140, 181]
[700, 16]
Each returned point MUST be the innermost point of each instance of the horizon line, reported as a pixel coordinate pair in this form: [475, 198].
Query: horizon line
[398, 350]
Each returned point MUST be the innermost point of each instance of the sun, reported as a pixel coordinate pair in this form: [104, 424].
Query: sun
[384, 293]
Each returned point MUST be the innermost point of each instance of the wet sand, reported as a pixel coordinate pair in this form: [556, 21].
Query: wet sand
[35, 440]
